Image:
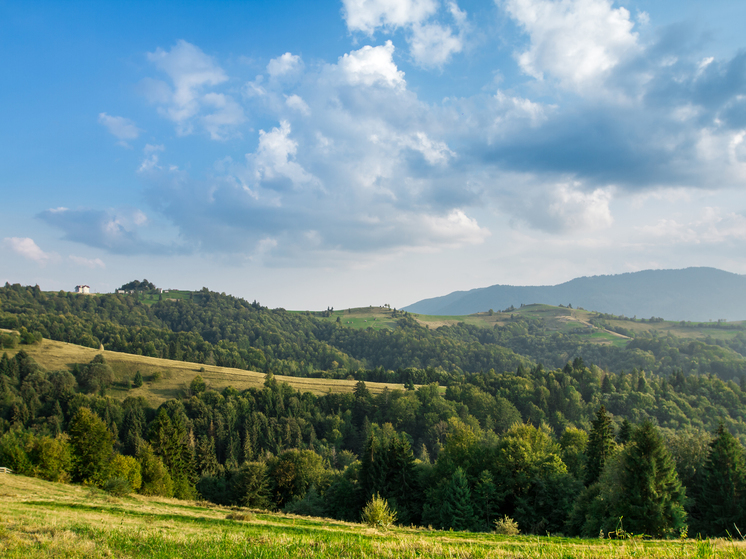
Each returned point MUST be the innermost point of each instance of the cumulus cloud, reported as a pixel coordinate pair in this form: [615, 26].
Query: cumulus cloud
[432, 43]
[297, 103]
[274, 160]
[120, 127]
[349, 160]
[361, 169]
[287, 64]
[26, 247]
[192, 72]
[368, 15]
[559, 208]
[372, 66]
[575, 41]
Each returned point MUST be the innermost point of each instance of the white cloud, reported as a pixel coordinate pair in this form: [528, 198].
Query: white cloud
[372, 66]
[432, 45]
[26, 247]
[274, 158]
[565, 208]
[721, 154]
[368, 15]
[150, 163]
[510, 108]
[576, 41]
[88, 262]
[284, 65]
[228, 114]
[297, 103]
[120, 127]
[434, 152]
[454, 229]
[192, 71]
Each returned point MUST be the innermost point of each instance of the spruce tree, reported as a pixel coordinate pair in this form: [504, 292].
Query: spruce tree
[720, 505]
[600, 445]
[485, 500]
[457, 512]
[625, 432]
[650, 498]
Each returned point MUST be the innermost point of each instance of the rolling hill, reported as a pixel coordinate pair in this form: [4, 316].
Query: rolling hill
[698, 294]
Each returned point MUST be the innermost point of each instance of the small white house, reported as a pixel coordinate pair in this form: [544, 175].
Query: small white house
[85, 289]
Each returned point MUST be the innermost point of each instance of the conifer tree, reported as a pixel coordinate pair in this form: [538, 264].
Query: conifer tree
[456, 511]
[625, 432]
[170, 440]
[387, 467]
[600, 445]
[485, 500]
[650, 498]
[206, 460]
[720, 506]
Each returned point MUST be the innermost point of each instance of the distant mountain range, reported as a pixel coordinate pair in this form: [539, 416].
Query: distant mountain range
[697, 294]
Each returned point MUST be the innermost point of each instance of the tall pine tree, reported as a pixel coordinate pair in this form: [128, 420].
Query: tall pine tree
[720, 507]
[456, 511]
[600, 445]
[650, 499]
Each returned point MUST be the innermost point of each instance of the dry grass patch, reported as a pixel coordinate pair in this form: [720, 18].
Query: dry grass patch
[166, 379]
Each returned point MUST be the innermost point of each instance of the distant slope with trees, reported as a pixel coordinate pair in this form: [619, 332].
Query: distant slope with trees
[699, 294]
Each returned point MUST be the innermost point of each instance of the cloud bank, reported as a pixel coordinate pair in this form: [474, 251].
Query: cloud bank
[343, 159]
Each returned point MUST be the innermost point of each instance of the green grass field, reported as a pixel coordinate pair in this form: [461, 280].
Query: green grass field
[40, 519]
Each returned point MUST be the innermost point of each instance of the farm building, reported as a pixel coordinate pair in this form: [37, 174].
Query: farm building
[86, 289]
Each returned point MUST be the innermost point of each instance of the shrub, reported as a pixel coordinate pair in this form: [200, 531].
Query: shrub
[118, 486]
[377, 513]
[127, 467]
[506, 526]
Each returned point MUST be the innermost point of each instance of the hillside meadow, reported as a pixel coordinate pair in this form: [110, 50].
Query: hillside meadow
[41, 519]
[166, 379]
[555, 319]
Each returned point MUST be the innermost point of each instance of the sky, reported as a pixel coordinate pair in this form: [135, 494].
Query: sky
[368, 152]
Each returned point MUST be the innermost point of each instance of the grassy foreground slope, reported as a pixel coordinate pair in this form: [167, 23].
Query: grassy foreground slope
[166, 379]
[41, 519]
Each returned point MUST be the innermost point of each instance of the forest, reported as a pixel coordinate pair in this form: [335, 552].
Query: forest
[557, 435]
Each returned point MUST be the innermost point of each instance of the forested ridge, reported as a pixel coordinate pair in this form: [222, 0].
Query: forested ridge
[224, 330]
[566, 446]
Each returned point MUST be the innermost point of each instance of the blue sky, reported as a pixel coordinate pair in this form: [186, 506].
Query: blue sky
[314, 154]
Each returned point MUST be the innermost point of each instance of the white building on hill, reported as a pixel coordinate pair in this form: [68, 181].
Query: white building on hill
[85, 289]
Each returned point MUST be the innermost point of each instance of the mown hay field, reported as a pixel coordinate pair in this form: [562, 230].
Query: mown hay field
[39, 519]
